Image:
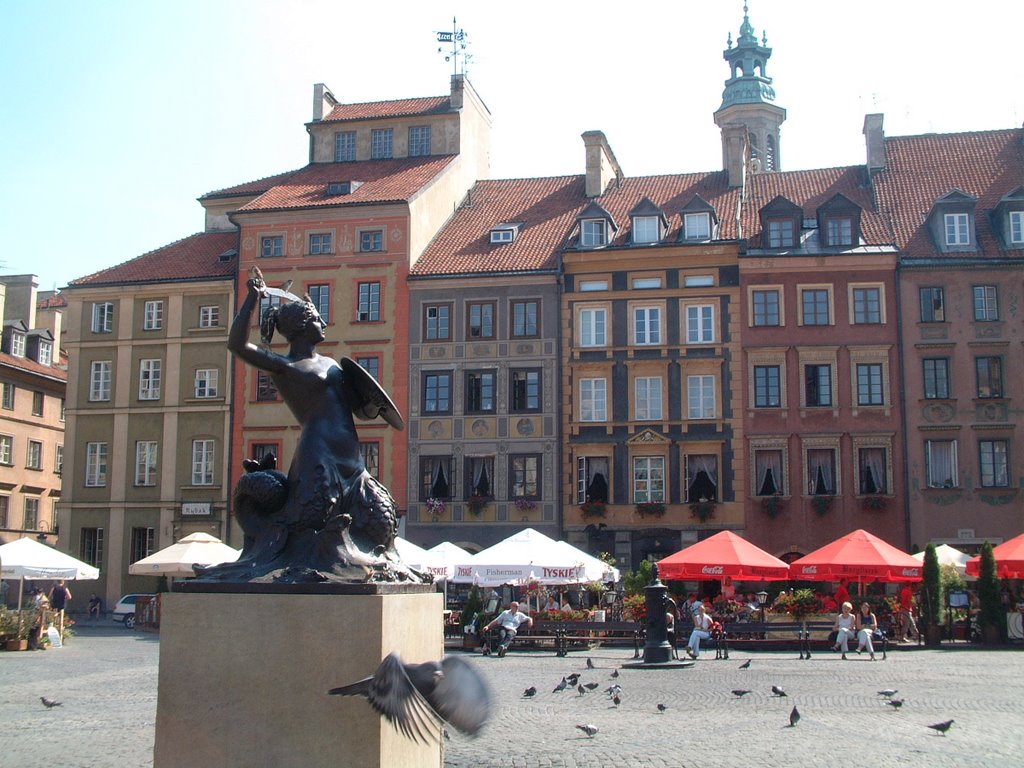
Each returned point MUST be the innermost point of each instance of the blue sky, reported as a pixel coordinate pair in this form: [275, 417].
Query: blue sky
[117, 115]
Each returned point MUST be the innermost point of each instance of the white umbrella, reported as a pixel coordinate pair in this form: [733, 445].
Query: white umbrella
[28, 559]
[178, 559]
[444, 557]
[948, 555]
[412, 555]
[594, 568]
[528, 556]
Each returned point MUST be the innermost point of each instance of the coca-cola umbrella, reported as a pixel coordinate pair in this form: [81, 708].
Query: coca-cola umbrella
[860, 556]
[1009, 560]
[723, 555]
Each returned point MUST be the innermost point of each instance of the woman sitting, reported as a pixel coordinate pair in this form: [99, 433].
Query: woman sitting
[845, 628]
[866, 626]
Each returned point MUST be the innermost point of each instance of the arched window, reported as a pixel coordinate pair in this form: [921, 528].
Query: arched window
[769, 154]
[752, 141]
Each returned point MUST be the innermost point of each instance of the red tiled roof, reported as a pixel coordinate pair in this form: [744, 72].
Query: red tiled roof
[430, 105]
[257, 187]
[383, 181]
[31, 366]
[57, 301]
[921, 169]
[196, 257]
[810, 189]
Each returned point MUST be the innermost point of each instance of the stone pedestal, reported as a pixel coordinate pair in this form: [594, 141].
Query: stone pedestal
[244, 678]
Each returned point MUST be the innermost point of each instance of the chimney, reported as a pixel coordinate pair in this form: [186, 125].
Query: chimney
[323, 101]
[52, 319]
[874, 138]
[734, 152]
[458, 87]
[21, 299]
[602, 166]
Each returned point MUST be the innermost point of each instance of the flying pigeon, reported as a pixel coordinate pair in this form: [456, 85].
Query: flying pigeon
[662, 708]
[561, 686]
[794, 717]
[888, 693]
[941, 727]
[590, 686]
[50, 703]
[615, 673]
[746, 664]
[778, 691]
[588, 729]
[590, 663]
[531, 691]
[739, 692]
[417, 698]
[895, 703]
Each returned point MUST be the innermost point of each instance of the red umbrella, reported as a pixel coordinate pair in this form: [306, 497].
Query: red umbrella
[1009, 560]
[859, 555]
[721, 555]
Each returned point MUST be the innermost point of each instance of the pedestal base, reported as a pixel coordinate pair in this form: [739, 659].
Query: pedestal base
[244, 678]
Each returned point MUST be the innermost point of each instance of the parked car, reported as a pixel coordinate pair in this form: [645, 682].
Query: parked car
[124, 611]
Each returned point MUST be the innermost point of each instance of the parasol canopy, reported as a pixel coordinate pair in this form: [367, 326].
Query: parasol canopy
[412, 554]
[444, 557]
[530, 556]
[1009, 560]
[723, 555]
[948, 555]
[858, 555]
[28, 559]
[178, 559]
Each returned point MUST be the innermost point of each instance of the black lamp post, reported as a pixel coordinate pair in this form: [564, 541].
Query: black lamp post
[762, 598]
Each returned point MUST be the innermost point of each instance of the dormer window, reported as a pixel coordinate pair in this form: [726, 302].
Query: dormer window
[838, 221]
[593, 233]
[697, 226]
[1008, 219]
[780, 233]
[342, 187]
[951, 222]
[18, 344]
[45, 353]
[649, 222]
[780, 224]
[505, 233]
[1017, 228]
[839, 231]
[957, 228]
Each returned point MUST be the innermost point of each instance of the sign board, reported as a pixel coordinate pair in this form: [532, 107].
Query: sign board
[194, 508]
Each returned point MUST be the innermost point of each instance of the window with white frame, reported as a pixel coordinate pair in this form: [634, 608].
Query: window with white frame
[103, 317]
[821, 472]
[646, 325]
[502, 236]
[18, 344]
[321, 243]
[592, 479]
[701, 477]
[6, 450]
[700, 397]
[867, 306]
[648, 479]
[872, 470]
[697, 226]
[30, 521]
[369, 303]
[437, 392]
[381, 143]
[45, 352]
[1017, 227]
[437, 478]
[370, 452]
[524, 476]
[371, 240]
[320, 293]
[769, 478]
[646, 229]
[644, 283]
[58, 460]
[941, 463]
[34, 460]
[437, 322]
[344, 146]
[700, 324]
[419, 141]
[95, 465]
[142, 543]
[986, 306]
[593, 400]
[271, 246]
[957, 227]
[202, 462]
[91, 546]
[995, 463]
[149, 379]
[99, 380]
[593, 327]
[589, 286]
[699, 281]
[209, 316]
[593, 233]
[647, 405]
[206, 384]
[145, 462]
[153, 315]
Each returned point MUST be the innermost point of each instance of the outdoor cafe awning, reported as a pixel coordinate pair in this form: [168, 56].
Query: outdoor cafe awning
[721, 555]
[860, 556]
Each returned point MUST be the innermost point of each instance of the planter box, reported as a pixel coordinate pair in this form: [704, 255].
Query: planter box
[17, 645]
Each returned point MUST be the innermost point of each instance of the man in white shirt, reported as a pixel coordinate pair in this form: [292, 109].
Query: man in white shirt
[509, 621]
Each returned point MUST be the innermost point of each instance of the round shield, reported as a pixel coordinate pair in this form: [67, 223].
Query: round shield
[367, 397]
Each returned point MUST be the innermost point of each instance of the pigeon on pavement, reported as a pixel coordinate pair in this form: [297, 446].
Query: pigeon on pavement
[613, 690]
[531, 691]
[588, 729]
[888, 693]
[581, 690]
[573, 679]
[746, 664]
[615, 673]
[794, 717]
[740, 692]
[778, 691]
[590, 663]
[616, 700]
[590, 686]
[895, 703]
[941, 727]
[418, 698]
[561, 686]
[662, 708]
[50, 703]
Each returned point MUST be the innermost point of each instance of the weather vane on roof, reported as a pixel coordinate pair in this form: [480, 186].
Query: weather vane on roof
[459, 40]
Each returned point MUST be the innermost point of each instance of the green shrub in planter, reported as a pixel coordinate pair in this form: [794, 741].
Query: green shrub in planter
[993, 614]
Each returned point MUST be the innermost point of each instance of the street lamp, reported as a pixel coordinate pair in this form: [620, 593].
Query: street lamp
[762, 598]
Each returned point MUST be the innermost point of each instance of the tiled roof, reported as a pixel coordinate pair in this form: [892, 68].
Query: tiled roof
[196, 257]
[257, 187]
[56, 301]
[383, 181]
[921, 169]
[31, 366]
[810, 189]
[430, 105]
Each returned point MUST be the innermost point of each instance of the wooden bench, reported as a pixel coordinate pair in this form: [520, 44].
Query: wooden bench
[802, 631]
[564, 635]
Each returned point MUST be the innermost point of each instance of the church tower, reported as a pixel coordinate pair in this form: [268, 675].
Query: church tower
[748, 117]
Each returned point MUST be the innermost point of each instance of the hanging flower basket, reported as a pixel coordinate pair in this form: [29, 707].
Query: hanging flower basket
[822, 504]
[593, 509]
[772, 505]
[476, 504]
[524, 504]
[874, 503]
[702, 510]
[436, 508]
[650, 509]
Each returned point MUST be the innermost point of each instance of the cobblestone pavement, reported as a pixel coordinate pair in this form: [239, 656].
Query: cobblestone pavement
[107, 677]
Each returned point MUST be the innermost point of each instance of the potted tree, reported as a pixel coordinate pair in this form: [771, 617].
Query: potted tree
[993, 614]
[931, 599]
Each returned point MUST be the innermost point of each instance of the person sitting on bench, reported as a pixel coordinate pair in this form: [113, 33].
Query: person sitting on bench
[509, 621]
